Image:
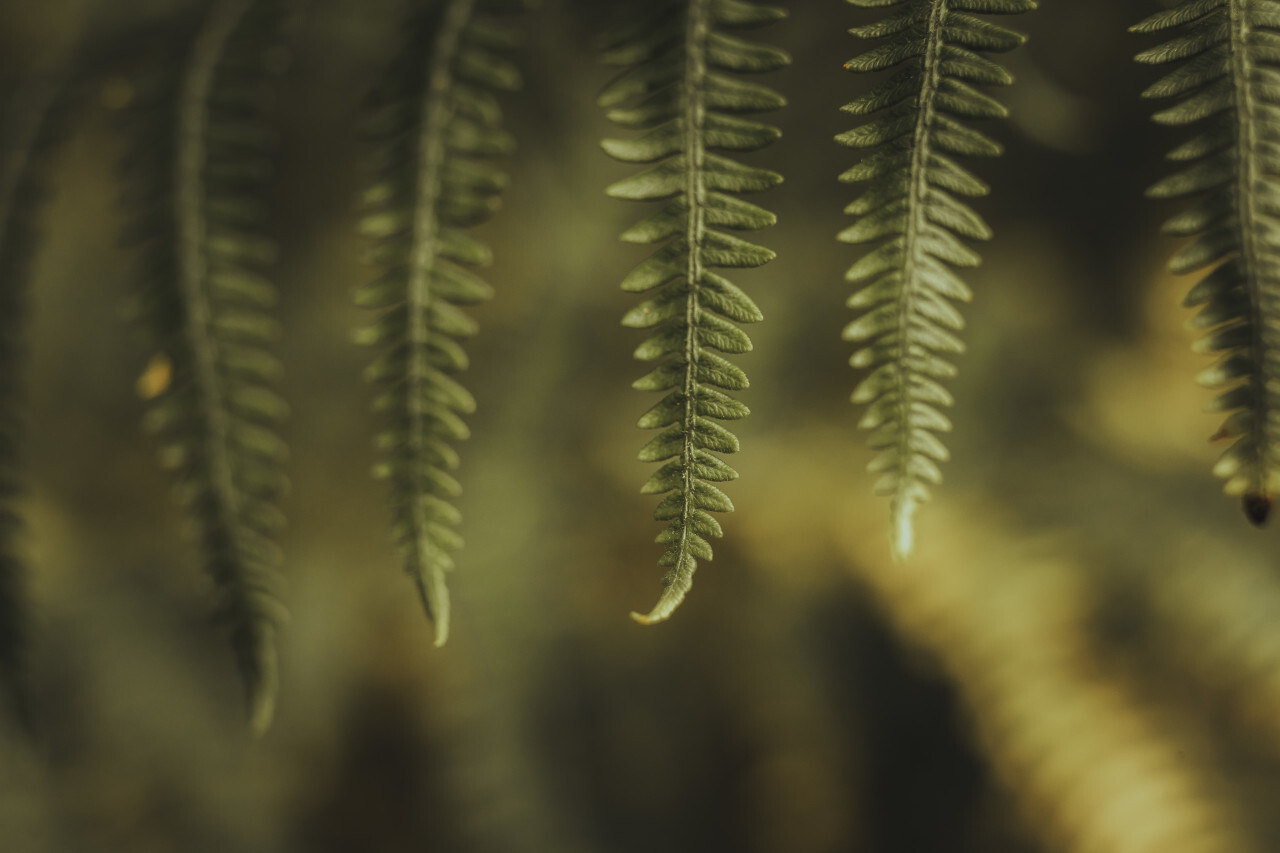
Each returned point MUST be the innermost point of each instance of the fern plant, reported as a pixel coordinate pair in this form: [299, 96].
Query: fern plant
[1225, 85]
[438, 121]
[913, 214]
[680, 89]
[197, 175]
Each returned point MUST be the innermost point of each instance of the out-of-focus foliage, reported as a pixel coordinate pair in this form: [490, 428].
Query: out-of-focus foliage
[1225, 82]
[1083, 656]
[437, 120]
[193, 186]
[28, 132]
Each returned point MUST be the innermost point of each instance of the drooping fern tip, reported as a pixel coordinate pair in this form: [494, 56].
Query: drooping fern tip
[1226, 55]
[685, 87]
[197, 181]
[438, 124]
[912, 215]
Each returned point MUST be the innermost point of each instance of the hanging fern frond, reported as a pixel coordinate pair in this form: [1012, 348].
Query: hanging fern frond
[197, 174]
[438, 122]
[913, 214]
[684, 90]
[29, 130]
[1226, 85]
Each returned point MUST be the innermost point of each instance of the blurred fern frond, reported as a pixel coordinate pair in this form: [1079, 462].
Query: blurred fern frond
[912, 213]
[197, 173]
[438, 121]
[29, 129]
[1225, 83]
[684, 92]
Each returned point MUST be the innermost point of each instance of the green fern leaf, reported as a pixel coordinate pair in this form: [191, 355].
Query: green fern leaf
[684, 92]
[912, 215]
[1226, 86]
[439, 123]
[198, 171]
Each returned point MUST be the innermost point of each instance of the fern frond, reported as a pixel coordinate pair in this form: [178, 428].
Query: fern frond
[198, 172]
[439, 122]
[684, 91]
[1225, 85]
[28, 131]
[913, 214]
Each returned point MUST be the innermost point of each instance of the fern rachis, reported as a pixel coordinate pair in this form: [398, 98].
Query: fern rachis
[908, 325]
[677, 57]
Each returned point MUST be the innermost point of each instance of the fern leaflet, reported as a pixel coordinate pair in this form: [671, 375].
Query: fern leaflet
[681, 95]
[1229, 55]
[198, 172]
[911, 210]
[438, 120]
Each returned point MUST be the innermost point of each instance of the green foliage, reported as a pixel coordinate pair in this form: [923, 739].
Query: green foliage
[1228, 67]
[197, 175]
[913, 214]
[29, 130]
[1115, 685]
[681, 88]
[438, 121]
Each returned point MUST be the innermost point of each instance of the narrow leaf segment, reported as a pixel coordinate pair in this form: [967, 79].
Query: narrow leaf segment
[197, 176]
[1226, 84]
[437, 122]
[913, 216]
[684, 90]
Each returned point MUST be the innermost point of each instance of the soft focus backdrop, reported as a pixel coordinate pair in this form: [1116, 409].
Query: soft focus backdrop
[1084, 655]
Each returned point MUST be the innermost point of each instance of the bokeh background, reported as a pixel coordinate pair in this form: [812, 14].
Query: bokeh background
[1083, 656]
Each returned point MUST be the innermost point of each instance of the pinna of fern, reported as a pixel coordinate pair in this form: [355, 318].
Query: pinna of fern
[1226, 84]
[683, 88]
[438, 123]
[196, 177]
[913, 215]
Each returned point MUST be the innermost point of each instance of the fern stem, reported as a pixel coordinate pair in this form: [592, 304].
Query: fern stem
[436, 113]
[902, 505]
[1252, 253]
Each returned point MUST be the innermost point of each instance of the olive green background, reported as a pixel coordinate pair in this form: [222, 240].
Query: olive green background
[1084, 655]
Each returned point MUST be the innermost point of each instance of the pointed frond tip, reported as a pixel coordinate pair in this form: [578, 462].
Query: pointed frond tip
[437, 123]
[915, 221]
[684, 89]
[671, 598]
[1224, 62]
